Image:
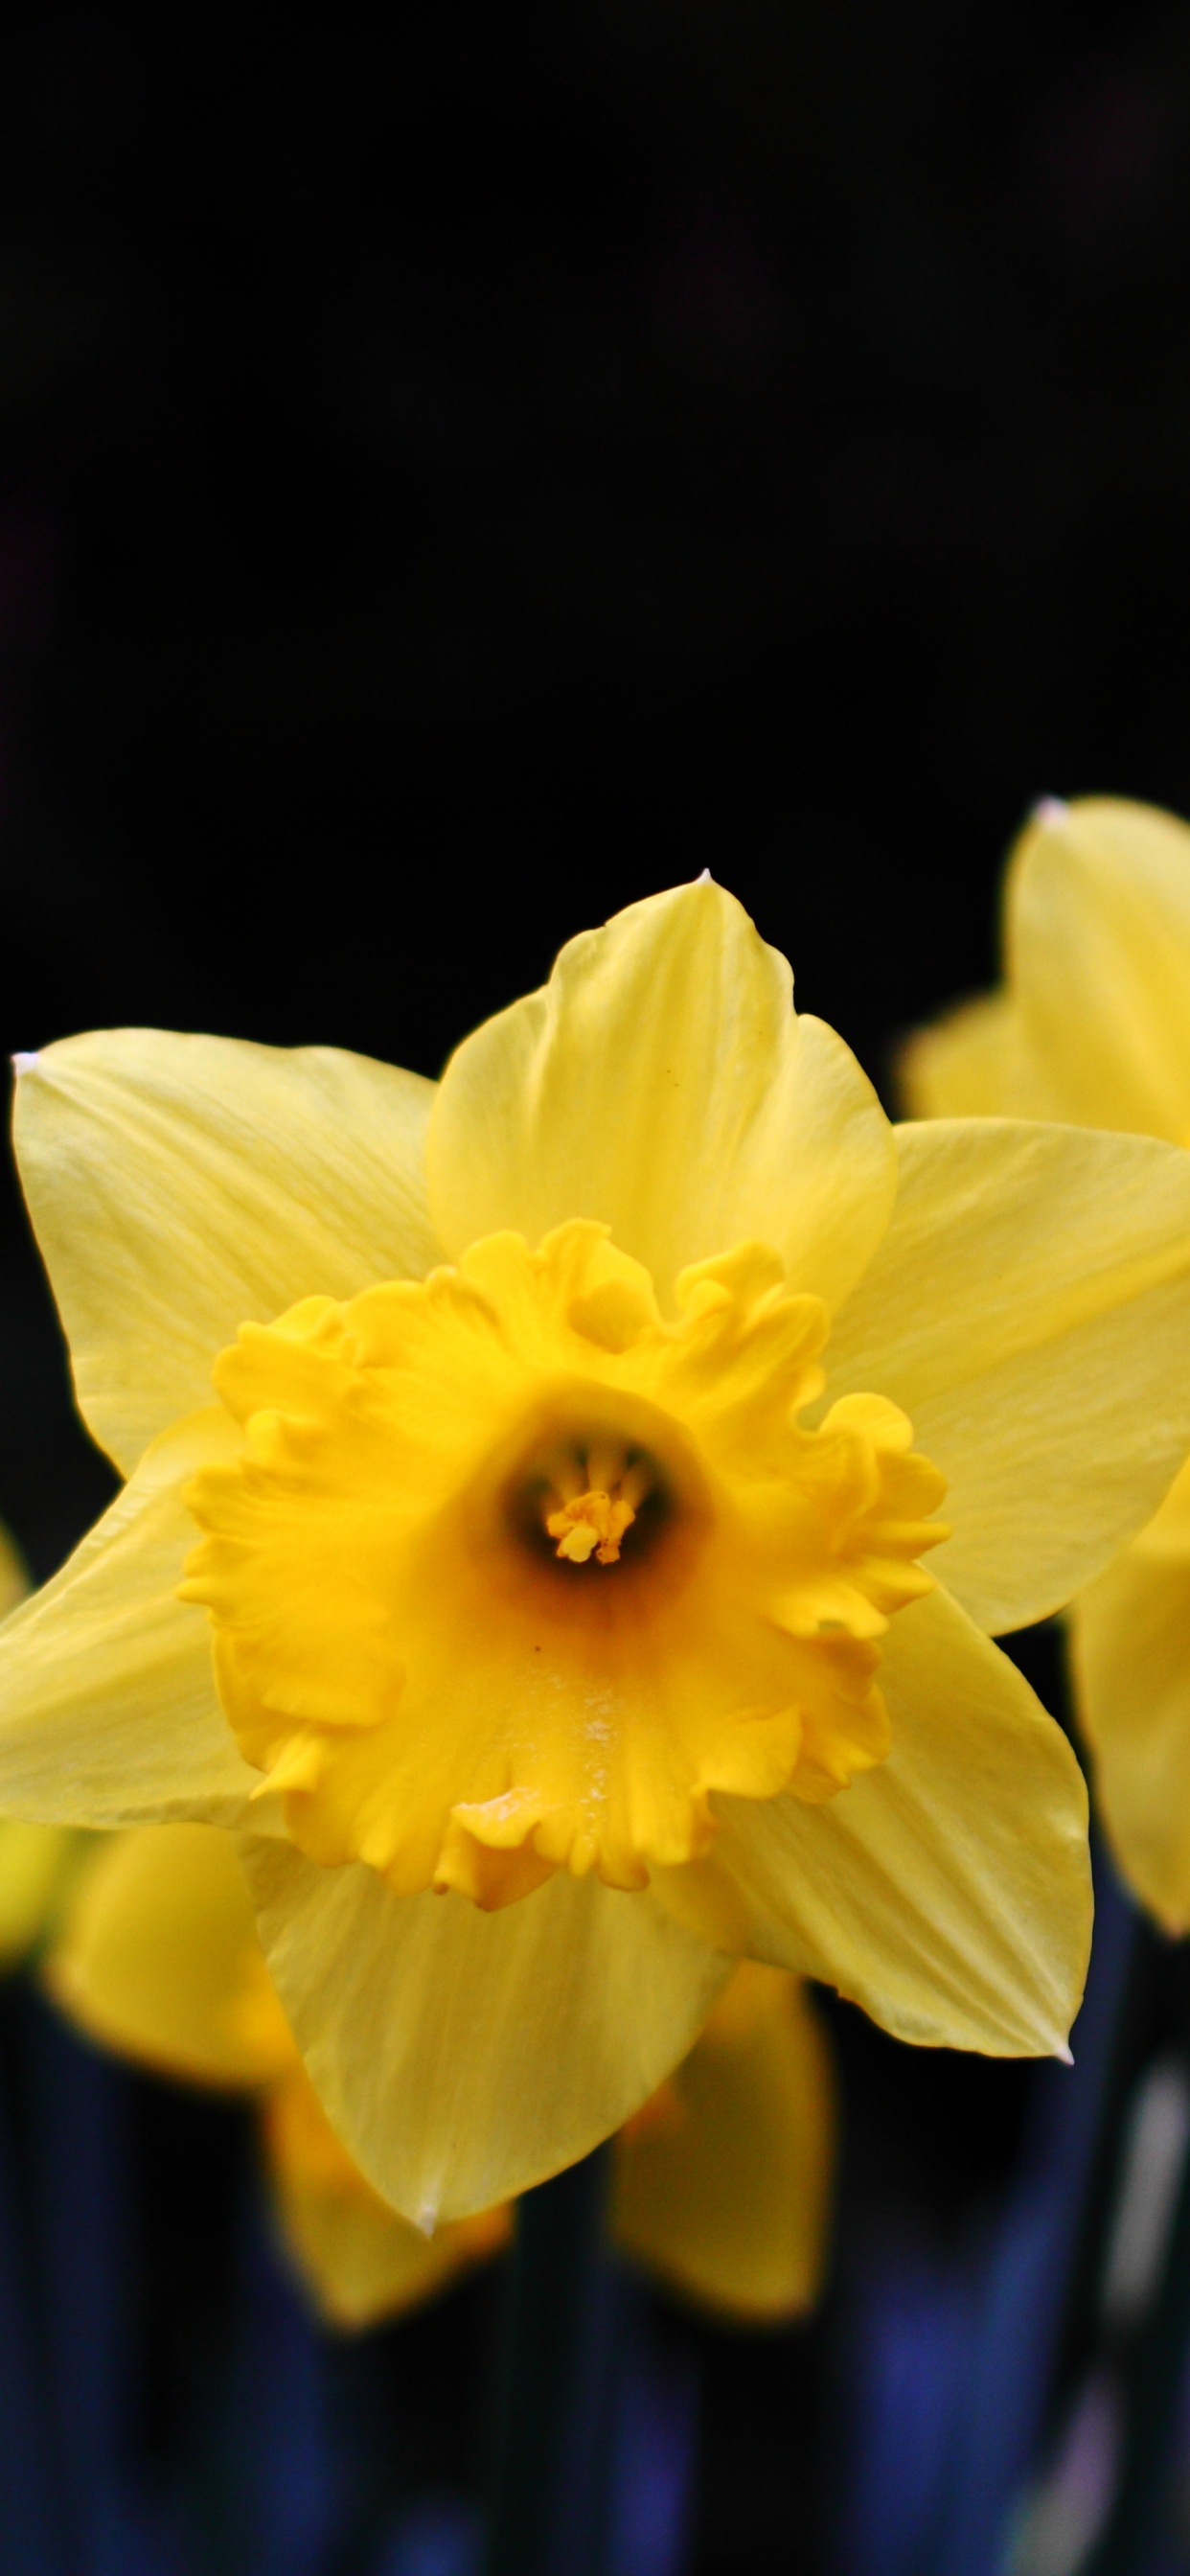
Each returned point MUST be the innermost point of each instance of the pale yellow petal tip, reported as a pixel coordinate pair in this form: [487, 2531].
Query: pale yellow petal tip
[1050, 814]
[1065, 2055]
[25, 1063]
[426, 2219]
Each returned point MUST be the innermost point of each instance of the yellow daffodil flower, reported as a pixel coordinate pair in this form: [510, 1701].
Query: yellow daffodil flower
[521, 1543]
[34, 1859]
[1093, 1025]
[721, 2181]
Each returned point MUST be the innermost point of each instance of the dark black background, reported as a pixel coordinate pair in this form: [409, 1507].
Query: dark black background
[459, 479]
[456, 480]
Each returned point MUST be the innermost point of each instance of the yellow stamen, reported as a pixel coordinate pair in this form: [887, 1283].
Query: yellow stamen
[593, 1524]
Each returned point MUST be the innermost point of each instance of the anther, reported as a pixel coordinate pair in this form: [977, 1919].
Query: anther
[592, 1525]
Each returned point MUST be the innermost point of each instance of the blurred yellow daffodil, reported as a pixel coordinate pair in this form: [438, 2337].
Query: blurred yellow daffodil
[538, 1593]
[721, 2182]
[1093, 1025]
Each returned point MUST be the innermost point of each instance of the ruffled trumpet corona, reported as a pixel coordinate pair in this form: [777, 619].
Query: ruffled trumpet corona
[665, 1586]
[567, 1510]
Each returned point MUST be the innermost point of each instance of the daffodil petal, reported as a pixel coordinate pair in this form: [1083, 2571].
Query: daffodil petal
[157, 1957]
[35, 1862]
[14, 1582]
[949, 1890]
[972, 1063]
[357, 2259]
[1131, 1657]
[1029, 1309]
[1098, 922]
[726, 2199]
[361, 2262]
[108, 1712]
[662, 1084]
[182, 1186]
[462, 2056]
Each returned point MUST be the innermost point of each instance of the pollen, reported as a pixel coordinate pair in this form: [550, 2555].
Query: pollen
[592, 1521]
[389, 1563]
[592, 1525]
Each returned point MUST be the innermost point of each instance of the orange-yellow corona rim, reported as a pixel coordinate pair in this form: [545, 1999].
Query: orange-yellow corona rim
[512, 1573]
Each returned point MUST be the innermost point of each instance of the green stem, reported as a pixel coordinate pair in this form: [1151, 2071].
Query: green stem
[549, 2505]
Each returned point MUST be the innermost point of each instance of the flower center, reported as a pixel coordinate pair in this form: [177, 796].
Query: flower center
[513, 1573]
[586, 1494]
[592, 1522]
[592, 1526]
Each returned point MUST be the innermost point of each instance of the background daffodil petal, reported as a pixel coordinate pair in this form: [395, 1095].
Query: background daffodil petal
[14, 1582]
[1098, 941]
[1131, 1656]
[972, 1064]
[359, 2259]
[35, 1863]
[661, 1083]
[157, 1957]
[726, 2196]
[108, 1712]
[182, 1186]
[462, 2056]
[949, 1890]
[1029, 1308]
